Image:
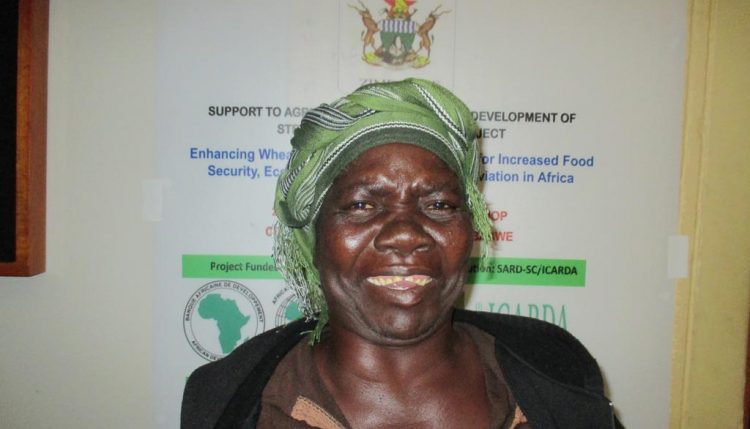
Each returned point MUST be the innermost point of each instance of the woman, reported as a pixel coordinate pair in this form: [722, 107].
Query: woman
[377, 209]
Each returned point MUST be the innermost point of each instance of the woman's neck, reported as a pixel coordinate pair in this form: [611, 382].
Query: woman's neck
[436, 382]
[345, 354]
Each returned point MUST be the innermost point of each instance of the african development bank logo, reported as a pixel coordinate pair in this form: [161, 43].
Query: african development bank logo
[220, 316]
[394, 37]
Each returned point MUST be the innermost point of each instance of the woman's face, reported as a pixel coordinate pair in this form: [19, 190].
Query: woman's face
[393, 242]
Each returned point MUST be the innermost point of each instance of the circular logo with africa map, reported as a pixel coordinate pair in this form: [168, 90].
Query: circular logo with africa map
[220, 316]
[288, 310]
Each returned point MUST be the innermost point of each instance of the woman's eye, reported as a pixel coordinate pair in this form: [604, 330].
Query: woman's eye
[361, 205]
[441, 205]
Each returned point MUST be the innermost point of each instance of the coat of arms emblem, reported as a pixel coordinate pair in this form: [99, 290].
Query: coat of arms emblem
[397, 33]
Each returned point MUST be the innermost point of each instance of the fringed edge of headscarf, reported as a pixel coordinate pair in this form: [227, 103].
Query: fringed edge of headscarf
[478, 210]
[316, 333]
[300, 275]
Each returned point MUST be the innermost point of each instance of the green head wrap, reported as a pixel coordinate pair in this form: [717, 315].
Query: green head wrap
[412, 111]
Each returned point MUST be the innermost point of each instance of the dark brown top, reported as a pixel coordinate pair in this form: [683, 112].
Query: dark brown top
[295, 396]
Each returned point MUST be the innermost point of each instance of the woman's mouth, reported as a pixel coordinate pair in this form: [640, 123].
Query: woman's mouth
[400, 282]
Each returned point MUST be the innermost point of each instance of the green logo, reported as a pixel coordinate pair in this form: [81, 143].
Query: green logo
[221, 315]
[288, 310]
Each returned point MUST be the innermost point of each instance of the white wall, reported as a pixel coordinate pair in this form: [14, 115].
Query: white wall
[75, 342]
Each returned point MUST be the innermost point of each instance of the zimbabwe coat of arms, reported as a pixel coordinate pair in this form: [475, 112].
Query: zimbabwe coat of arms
[397, 31]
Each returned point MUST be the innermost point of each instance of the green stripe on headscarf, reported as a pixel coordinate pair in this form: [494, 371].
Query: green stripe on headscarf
[413, 111]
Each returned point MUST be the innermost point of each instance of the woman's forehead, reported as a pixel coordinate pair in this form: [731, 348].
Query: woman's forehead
[398, 162]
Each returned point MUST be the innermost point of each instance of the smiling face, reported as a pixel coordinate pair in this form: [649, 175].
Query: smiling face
[393, 242]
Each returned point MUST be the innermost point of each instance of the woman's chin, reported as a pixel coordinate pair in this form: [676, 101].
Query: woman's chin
[403, 329]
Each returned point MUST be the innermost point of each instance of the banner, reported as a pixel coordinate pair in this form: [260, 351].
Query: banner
[579, 105]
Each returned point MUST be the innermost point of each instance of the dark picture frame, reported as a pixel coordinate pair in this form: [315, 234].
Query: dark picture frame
[24, 33]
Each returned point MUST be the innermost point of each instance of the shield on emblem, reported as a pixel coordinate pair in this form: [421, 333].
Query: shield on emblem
[392, 29]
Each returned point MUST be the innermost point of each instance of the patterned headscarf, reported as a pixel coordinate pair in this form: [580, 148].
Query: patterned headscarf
[412, 111]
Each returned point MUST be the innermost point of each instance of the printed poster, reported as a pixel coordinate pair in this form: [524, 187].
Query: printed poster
[579, 105]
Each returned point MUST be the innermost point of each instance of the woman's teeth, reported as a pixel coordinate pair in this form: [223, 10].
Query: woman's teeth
[417, 279]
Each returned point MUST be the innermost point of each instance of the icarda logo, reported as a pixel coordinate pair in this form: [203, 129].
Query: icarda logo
[220, 316]
[390, 36]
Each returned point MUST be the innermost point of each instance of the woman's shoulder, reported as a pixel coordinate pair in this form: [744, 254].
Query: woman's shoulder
[541, 345]
[211, 387]
[548, 370]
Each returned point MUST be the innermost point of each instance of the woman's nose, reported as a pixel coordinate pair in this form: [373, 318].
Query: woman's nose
[403, 234]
